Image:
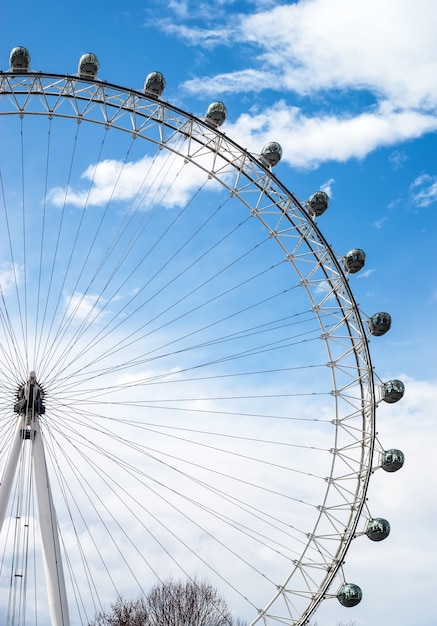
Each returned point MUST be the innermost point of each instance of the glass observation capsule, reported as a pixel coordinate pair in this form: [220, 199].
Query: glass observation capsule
[271, 153]
[88, 65]
[350, 595]
[378, 529]
[392, 460]
[154, 84]
[216, 113]
[19, 59]
[379, 324]
[393, 391]
[354, 260]
[317, 203]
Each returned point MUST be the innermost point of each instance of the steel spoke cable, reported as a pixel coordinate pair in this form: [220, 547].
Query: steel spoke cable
[238, 502]
[162, 379]
[96, 497]
[14, 267]
[122, 345]
[90, 318]
[49, 340]
[68, 496]
[218, 514]
[149, 210]
[42, 240]
[71, 381]
[147, 449]
[219, 360]
[120, 489]
[193, 464]
[75, 238]
[144, 405]
[57, 245]
[24, 323]
[154, 204]
[109, 300]
[67, 317]
[86, 323]
[78, 415]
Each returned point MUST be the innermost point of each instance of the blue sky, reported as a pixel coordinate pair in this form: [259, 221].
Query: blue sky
[348, 89]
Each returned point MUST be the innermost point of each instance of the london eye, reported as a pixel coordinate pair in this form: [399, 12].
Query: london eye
[207, 396]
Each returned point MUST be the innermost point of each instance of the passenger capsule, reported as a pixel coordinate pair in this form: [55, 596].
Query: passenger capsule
[393, 391]
[379, 324]
[350, 595]
[392, 460]
[19, 59]
[88, 65]
[354, 260]
[216, 114]
[317, 203]
[271, 153]
[378, 529]
[154, 84]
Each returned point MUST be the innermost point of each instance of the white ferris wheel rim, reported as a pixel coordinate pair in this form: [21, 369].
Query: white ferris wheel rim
[319, 270]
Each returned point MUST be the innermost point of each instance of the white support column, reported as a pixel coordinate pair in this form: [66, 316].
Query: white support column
[49, 533]
[10, 469]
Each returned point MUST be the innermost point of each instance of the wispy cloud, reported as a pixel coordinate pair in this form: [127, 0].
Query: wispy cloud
[84, 306]
[424, 190]
[10, 275]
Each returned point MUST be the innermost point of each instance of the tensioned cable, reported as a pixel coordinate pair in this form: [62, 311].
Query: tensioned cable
[151, 357]
[66, 319]
[135, 471]
[119, 488]
[194, 442]
[88, 321]
[42, 238]
[75, 237]
[23, 217]
[14, 267]
[69, 315]
[256, 512]
[58, 238]
[134, 340]
[97, 497]
[70, 384]
[68, 494]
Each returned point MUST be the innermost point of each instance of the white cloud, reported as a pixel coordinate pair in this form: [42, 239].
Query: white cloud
[308, 141]
[324, 44]
[146, 183]
[312, 47]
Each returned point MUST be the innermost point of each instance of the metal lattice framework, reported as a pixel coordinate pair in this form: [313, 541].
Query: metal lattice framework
[319, 271]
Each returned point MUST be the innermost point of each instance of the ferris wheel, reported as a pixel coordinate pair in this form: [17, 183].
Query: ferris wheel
[202, 400]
